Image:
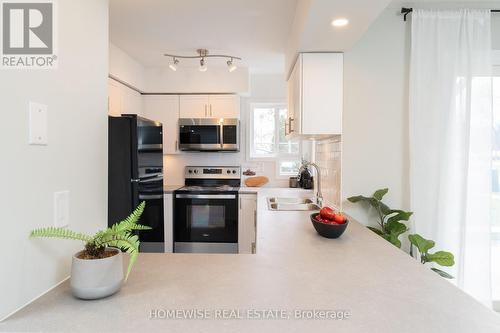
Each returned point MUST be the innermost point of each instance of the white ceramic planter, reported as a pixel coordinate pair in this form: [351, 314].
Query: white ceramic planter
[96, 278]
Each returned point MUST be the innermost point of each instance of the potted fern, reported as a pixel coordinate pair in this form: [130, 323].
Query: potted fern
[97, 270]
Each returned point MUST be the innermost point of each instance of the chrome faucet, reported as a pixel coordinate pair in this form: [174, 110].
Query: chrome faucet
[319, 195]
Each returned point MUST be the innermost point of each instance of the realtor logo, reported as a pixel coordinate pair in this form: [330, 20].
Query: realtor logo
[28, 34]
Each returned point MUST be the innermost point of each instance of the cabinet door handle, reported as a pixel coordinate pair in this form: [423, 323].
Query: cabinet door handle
[253, 248]
[176, 145]
[290, 120]
[205, 110]
[210, 110]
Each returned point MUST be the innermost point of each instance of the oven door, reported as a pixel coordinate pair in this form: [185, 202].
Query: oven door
[200, 134]
[206, 218]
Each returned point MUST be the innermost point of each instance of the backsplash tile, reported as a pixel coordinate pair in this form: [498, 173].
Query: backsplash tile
[328, 156]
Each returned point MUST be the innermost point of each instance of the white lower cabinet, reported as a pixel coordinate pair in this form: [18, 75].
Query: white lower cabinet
[247, 225]
[168, 218]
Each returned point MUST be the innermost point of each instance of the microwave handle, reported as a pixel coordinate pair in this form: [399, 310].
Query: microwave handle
[221, 135]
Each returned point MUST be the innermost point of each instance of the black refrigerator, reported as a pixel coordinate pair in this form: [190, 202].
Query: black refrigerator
[135, 174]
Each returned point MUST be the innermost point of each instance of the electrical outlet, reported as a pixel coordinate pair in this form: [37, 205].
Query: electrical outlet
[61, 209]
[38, 133]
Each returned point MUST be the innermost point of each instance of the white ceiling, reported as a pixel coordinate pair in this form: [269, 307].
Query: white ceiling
[361, 13]
[261, 32]
[445, 3]
[255, 30]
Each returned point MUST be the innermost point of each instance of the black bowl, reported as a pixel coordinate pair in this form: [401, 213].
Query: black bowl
[328, 230]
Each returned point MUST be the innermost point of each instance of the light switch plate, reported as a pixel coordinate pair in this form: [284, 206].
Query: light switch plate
[38, 134]
[61, 209]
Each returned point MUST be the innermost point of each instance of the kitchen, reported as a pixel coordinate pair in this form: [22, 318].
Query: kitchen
[202, 128]
[237, 124]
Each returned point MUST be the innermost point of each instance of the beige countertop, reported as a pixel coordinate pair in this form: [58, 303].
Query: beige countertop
[381, 288]
[283, 191]
[171, 188]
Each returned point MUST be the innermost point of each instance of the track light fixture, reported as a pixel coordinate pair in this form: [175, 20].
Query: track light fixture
[203, 55]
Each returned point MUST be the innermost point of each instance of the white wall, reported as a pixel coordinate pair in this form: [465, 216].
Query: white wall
[74, 160]
[375, 135]
[495, 28]
[264, 88]
[125, 68]
[375, 124]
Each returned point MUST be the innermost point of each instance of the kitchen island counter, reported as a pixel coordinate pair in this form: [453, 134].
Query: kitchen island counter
[376, 287]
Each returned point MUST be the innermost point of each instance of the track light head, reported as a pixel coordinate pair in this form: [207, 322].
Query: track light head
[173, 65]
[203, 66]
[231, 67]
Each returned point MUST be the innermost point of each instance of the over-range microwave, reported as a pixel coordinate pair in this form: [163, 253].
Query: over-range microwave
[209, 134]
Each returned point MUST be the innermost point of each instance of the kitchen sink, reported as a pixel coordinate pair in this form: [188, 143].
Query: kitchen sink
[291, 201]
[292, 204]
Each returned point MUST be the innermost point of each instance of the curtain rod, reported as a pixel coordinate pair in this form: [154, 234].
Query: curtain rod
[405, 11]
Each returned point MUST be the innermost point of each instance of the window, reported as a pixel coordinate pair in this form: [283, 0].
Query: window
[267, 138]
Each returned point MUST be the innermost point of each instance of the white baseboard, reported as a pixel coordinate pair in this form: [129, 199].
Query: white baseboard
[34, 299]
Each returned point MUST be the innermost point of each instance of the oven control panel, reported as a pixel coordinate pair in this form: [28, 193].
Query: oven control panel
[212, 172]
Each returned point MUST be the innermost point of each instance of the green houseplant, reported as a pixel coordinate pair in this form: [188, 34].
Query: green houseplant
[389, 220]
[391, 226]
[101, 259]
[441, 258]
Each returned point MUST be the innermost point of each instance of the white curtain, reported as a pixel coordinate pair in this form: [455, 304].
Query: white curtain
[450, 139]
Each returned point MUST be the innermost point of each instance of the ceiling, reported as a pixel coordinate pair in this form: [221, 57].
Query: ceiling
[255, 30]
[312, 31]
[265, 33]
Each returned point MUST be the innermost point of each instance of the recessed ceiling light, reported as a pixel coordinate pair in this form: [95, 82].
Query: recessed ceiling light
[340, 22]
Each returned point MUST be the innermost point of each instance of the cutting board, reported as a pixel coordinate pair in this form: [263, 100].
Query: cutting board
[256, 181]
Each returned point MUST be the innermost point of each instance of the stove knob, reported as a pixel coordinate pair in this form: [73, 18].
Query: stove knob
[228, 171]
[234, 171]
[190, 171]
[195, 171]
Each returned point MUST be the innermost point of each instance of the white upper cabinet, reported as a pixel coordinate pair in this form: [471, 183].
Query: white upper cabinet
[165, 109]
[123, 100]
[193, 106]
[224, 106]
[209, 106]
[315, 96]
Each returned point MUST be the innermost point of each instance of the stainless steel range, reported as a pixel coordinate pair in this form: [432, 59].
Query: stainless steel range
[206, 210]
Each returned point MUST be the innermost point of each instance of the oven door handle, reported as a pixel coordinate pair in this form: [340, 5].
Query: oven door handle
[205, 196]
[150, 180]
[150, 196]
